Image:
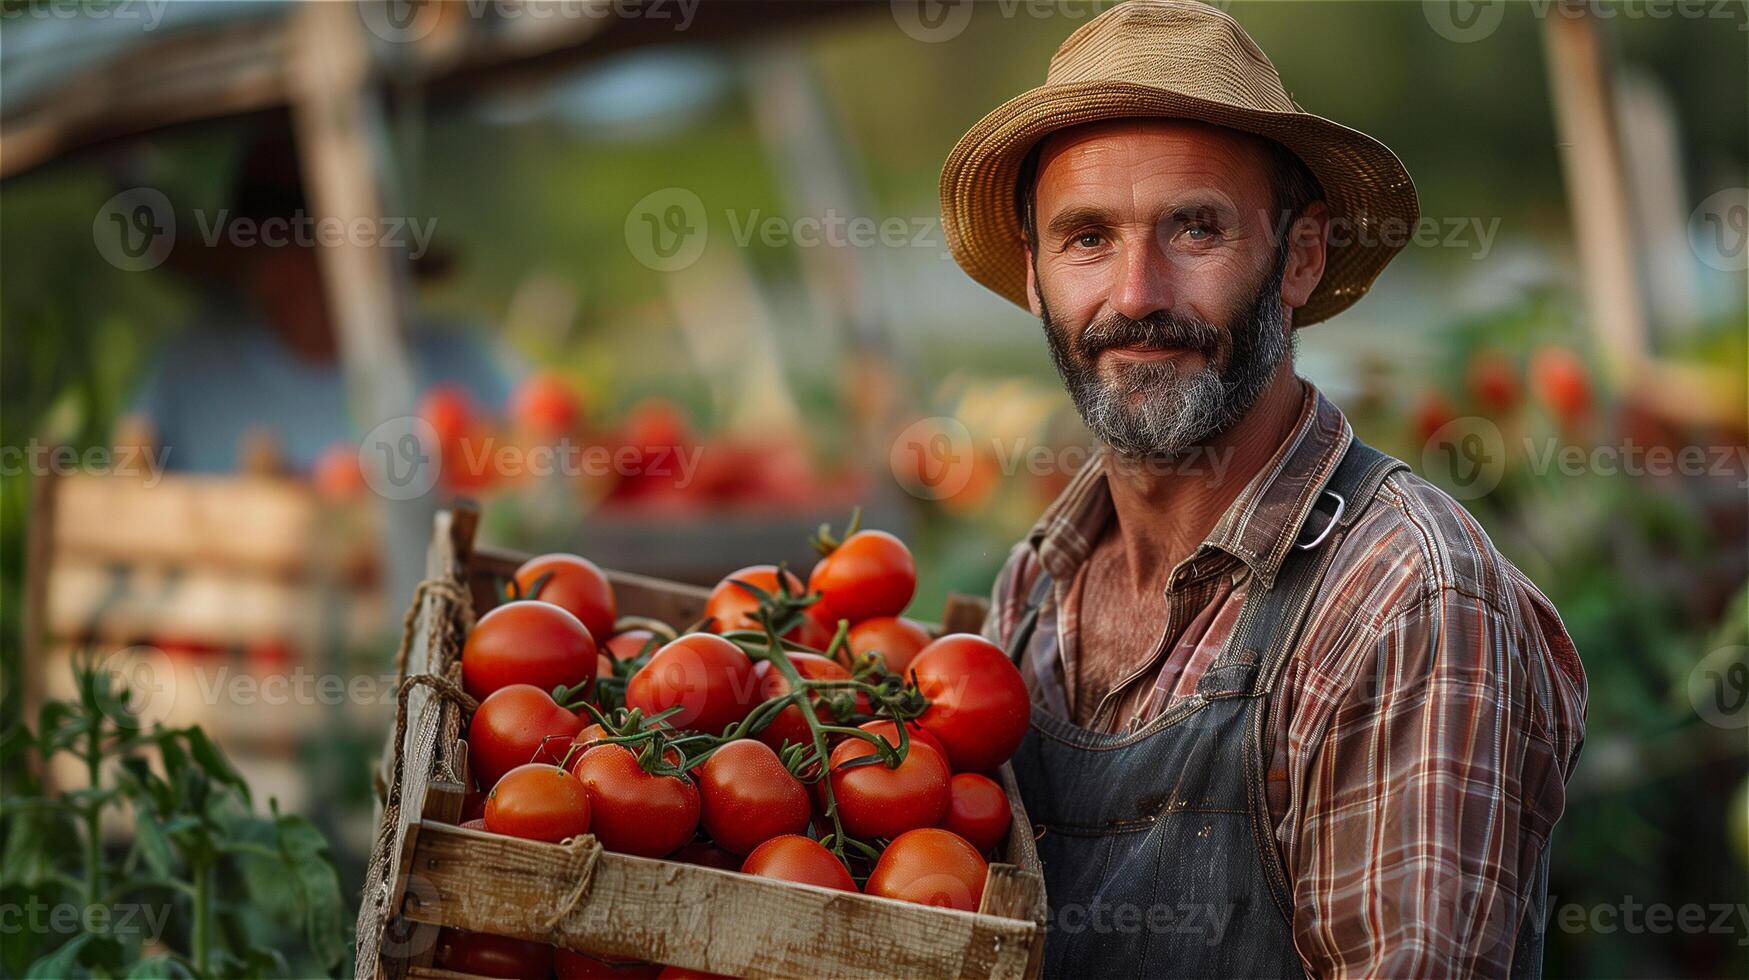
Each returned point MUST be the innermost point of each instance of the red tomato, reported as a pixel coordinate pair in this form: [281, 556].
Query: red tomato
[930, 866]
[485, 955]
[574, 584]
[627, 645]
[708, 677]
[793, 857]
[789, 725]
[581, 966]
[874, 801]
[979, 707]
[545, 405]
[516, 725]
[527, 643]
[633, 811]
[732, 607]
[1432, 413]
[1492, 380]
[1562, 384]
[977, 810]
[889, 731]
[896, 639]
[540, 802]
[748, 797]
[870, 574]
[450, 411]
[688, 973]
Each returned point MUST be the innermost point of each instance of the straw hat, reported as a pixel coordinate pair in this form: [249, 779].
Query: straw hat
[1177, 59]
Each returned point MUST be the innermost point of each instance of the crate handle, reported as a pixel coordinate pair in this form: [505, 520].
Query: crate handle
[580, 855]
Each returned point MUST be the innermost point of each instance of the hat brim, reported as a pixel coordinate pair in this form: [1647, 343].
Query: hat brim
[1369, 193]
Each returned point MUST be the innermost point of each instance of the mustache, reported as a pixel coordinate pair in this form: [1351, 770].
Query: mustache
[1159, 330]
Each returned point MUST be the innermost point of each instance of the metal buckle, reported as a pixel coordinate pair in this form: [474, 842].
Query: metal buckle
[1341, 505]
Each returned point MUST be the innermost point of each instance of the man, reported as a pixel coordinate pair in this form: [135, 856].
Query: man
[1304, 718]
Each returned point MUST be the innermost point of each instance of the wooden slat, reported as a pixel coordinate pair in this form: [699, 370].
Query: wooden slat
[964, 613]
[254, 524]
[699, 917]
[123, 603]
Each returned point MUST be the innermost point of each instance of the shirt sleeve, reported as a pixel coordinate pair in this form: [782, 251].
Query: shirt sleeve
[1428, 801]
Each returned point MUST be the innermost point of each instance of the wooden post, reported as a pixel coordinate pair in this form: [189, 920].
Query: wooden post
[1591, 159]
[341, 139]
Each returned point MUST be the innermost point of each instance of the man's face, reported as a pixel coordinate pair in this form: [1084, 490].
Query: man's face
[1161, 278]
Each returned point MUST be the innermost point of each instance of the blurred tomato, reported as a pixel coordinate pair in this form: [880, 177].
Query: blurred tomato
[1562, 384]
[1492, 381]
[336, 475]
[449, 410]
[1433, 411]
[546, 406]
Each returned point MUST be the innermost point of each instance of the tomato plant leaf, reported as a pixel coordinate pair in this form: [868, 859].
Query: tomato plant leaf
[151, 844]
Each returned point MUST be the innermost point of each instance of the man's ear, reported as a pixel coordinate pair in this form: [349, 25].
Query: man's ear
[1306, 244]
[1032, 297]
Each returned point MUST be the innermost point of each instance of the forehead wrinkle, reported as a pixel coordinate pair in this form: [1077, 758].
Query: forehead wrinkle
[1194, 159]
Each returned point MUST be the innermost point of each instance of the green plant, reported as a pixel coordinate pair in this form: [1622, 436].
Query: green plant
[203, 886]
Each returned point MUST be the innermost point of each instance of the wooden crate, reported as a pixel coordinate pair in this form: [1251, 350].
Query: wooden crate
[428, 873]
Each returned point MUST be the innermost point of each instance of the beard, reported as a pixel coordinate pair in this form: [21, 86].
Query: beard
[1158, 408]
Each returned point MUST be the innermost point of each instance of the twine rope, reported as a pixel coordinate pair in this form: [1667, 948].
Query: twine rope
[580, 854]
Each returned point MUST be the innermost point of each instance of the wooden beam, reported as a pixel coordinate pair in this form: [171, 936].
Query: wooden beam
[698, 917]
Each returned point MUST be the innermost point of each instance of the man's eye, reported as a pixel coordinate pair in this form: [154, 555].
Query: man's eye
[1199, 233]
[1090, 239]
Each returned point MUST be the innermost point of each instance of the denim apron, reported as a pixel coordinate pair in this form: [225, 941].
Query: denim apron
[1157, 844]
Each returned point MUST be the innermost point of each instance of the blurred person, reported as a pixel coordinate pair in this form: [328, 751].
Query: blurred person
[255, 383]
[1293, 712]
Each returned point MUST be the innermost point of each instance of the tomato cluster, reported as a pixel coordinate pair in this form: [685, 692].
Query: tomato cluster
[802, 731]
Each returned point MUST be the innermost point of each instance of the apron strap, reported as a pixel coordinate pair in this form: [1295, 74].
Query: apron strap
[1270, 619]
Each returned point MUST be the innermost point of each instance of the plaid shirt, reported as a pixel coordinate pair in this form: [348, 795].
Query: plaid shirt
[1424, 726]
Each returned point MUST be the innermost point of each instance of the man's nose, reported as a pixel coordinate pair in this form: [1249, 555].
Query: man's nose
[1144, 281]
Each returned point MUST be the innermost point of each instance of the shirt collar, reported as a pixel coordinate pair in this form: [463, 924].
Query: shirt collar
[1258, 528]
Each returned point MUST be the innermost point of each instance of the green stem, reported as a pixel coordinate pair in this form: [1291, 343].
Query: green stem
[201, 871]
[817, 734]
[94, 813]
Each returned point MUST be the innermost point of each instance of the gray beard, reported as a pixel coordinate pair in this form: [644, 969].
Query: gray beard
[1158, 408]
